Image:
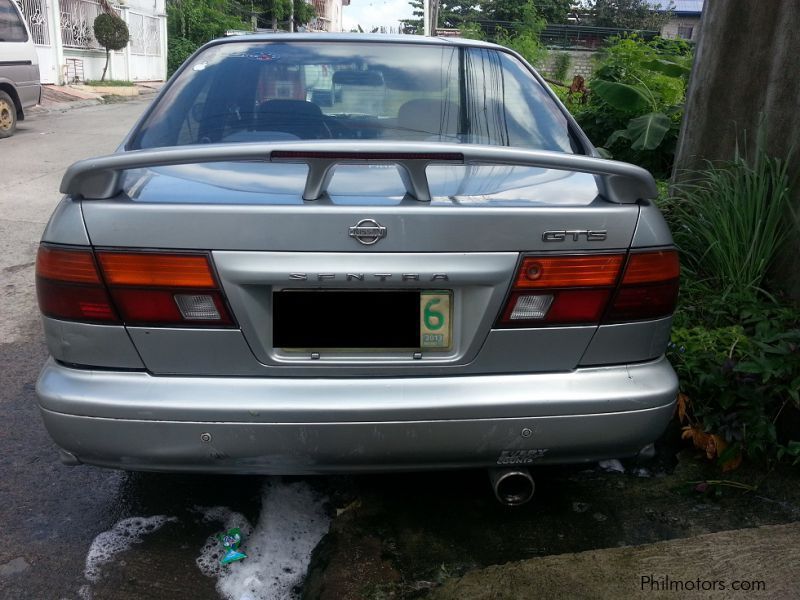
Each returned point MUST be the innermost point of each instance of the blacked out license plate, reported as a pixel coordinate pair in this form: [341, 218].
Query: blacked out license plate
[345, 320]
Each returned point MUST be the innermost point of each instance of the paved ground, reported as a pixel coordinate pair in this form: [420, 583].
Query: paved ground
[86, 532]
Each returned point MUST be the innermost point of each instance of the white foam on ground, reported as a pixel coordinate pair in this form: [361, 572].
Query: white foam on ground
[291, 524]
[119, 538]
[611, 466]
[212, 550]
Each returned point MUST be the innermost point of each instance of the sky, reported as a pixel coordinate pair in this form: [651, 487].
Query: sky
[373, 13]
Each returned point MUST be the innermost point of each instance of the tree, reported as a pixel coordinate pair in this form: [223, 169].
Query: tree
[112, 33]
[452, 15]
[745, 78]
[524, 34]
[272, 13]
[192, 23]
[630, 14]
[511, 11]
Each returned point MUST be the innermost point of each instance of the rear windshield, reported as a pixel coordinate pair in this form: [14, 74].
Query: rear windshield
[274, 91]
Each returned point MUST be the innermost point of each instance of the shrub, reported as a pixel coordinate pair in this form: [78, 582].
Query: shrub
[735, 347]
[526, 40]
[737, 379]
[731, 220]
[636, 105]
[561, 65]
[112, 33]
[178, 50]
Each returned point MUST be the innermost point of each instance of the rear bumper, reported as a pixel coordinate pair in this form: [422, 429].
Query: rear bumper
[291, 426]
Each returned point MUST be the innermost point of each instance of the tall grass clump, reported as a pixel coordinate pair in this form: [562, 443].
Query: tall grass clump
[731, 220]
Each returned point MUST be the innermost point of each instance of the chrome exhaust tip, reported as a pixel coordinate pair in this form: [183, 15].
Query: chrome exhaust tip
[512, 487]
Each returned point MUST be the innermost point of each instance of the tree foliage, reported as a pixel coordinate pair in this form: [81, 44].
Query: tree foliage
[487, 14]
[630, 14]
[524, 35]
[636, 102]
[112, 33]
[192, 23]
[513, 11]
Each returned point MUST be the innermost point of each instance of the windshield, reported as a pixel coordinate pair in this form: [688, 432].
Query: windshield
[274, 91]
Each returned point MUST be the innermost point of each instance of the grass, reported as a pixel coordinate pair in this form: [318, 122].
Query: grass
[734, 218]
[109, 83]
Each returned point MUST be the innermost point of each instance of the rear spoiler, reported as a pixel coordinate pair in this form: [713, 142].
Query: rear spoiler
[100, 178]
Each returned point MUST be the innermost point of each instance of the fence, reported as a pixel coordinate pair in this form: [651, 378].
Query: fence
[35, 13]
[578, 37]
[145, 34]
[77, 23]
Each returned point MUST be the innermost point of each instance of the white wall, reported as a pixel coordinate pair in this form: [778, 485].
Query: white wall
[144, 59]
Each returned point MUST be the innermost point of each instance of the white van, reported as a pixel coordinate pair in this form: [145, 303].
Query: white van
[19, 68]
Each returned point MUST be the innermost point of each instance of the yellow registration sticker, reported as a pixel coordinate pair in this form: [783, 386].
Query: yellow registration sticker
[435, 309]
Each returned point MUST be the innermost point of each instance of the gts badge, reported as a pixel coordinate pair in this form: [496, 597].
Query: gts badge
[575, 235]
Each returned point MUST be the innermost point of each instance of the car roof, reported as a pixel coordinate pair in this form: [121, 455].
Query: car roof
[361, 38]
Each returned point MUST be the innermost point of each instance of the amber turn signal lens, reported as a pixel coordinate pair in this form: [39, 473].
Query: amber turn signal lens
[64, 264]
[152, 269]
[569, 271]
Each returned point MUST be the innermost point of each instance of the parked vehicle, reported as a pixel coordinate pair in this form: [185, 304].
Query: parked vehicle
[432, 270]
[19, 69]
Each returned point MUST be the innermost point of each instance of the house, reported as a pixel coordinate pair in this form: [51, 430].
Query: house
[685, 21]
[62, 31]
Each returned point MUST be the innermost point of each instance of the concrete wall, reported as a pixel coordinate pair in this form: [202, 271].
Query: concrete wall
[581, 63]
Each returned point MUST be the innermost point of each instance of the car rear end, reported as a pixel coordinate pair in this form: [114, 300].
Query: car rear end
[377, 254]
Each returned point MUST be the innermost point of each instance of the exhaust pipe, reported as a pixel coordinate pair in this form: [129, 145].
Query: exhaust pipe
[512, 487]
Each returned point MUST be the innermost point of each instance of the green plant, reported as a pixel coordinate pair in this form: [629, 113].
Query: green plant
[636, 102]
[561, 65]
[737, 379]
[472, 31]
[525, 39]
[178, 50]
[112, 33]
[112, 83]
[731, 220]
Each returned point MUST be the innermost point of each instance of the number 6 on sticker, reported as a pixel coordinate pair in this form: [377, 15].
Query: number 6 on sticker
[434, 320]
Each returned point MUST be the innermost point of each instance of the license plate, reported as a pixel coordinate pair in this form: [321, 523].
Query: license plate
[369, 320]
[434, 319]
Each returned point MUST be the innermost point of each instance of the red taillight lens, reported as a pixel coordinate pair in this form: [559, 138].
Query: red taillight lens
[147, 288]
[649, 288]
[566, 290]
[556, 290]
[68, 286]
[150, 288]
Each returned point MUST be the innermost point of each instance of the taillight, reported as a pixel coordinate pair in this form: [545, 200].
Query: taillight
[590, 289]
[138, 288]
[68, 286]
[649, 288]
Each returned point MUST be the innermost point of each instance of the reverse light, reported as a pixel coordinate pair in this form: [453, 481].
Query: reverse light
[530, 307]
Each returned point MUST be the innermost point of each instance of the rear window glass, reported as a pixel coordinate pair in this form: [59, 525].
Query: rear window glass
[257, 91]
[11, 26]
